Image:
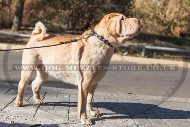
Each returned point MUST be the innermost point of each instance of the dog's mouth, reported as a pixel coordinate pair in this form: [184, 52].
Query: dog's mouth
[134, 32]
[130, 36]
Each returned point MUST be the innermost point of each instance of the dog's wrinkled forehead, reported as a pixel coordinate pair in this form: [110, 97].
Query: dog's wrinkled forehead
[112, 15]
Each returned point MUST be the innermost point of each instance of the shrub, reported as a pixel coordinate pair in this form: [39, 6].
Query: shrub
[164, 17]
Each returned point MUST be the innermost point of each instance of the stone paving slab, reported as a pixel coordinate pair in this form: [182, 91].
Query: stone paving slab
[118, 110]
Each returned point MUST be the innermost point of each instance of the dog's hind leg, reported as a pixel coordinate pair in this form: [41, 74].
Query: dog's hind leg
[36, 85]
[25, 77]
[27, 69]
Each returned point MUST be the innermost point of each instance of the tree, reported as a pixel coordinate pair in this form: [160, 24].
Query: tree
[18, 13]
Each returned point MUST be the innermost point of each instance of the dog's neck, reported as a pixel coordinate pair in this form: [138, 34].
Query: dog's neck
[100, 48]
[107, 35]
[102, 37]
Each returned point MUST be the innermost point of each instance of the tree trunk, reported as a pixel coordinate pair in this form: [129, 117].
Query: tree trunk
[18, 6]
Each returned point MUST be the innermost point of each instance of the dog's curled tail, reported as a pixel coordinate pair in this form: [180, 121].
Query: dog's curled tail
[39, 29]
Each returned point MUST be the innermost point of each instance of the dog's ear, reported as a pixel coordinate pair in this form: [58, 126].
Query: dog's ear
[111, 23]
[116, 25]
[119, 26]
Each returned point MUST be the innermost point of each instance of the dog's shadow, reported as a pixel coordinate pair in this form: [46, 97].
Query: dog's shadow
[116, 110]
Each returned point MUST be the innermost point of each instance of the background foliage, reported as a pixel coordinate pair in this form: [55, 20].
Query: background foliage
[163, 17]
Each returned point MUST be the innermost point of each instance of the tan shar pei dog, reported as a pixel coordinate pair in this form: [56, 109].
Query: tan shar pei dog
[94, 47]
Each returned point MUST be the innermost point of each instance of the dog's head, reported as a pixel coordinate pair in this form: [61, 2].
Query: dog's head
[117, 28]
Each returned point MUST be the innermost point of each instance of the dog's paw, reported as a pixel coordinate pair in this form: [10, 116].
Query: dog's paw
[18, 103]
[94, 113]
[86, 122]
[38, 101]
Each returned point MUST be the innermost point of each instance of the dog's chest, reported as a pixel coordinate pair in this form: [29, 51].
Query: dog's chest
[96, 47]
[100, 51]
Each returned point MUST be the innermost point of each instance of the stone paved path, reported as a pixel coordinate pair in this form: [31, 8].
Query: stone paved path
[118, 109]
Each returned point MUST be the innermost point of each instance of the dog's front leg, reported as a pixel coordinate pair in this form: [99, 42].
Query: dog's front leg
[82, 99]
[90, 110]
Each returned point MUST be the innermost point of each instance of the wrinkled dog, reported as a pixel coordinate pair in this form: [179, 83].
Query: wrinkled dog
[94, 48]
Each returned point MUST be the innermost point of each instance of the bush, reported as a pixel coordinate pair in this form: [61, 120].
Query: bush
[164, 17]
[72, 14]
